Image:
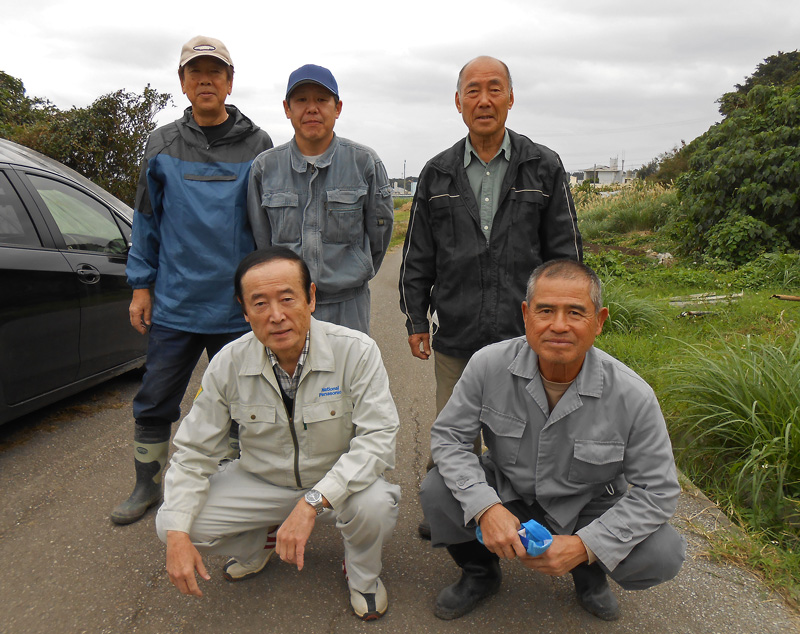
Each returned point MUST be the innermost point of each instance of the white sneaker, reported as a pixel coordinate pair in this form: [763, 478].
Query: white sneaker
[234, 570]
[371, 605]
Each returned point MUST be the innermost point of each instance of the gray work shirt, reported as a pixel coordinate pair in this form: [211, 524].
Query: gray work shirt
[486, 180]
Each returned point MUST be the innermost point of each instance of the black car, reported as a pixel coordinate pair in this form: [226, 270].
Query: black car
[64, 297]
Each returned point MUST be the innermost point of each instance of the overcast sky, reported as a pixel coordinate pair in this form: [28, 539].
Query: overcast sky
[592, 80]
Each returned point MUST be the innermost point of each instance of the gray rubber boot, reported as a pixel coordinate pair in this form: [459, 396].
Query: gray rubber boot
[150, 449]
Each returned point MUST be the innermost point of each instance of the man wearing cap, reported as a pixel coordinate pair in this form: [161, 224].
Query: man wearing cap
[190, 231]
[326, 198]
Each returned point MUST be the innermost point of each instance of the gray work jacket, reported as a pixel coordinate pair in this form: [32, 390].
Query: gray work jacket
[606, 436]
[337, 214]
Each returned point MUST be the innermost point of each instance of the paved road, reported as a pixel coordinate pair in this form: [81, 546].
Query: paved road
[67, 569]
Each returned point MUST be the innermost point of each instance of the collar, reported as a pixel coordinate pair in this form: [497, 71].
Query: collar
[320, 354]
[301, 361]
[469, 150]
[589, 381]
[299, 163]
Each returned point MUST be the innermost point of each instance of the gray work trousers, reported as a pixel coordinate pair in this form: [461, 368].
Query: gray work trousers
[241, 507]
[350, 313]
[655, 560]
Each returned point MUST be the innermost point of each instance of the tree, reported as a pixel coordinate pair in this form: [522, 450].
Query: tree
[16, 108]
[667, 166]
[740, 195]
[782, 69]
[104, 141]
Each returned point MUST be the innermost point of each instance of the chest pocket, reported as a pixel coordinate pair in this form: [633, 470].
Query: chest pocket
[328, 426]
[344, 215]
[285, 219]
[505, 435]
[256, 422]
[596, 461]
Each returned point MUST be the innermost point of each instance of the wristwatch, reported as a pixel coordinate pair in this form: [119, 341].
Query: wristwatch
[314, 498]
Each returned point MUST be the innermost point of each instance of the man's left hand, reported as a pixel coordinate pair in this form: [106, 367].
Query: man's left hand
[294, 533]
[566, 552]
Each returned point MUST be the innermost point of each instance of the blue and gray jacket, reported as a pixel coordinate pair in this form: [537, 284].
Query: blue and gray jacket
[190, 227]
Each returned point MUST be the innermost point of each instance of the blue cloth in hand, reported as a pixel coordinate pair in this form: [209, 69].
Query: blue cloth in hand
[534, 537]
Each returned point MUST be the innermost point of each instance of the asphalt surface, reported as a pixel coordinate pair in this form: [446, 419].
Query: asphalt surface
[67, 568]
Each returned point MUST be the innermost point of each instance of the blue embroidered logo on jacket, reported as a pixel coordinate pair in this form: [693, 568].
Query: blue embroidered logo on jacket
[330, 391]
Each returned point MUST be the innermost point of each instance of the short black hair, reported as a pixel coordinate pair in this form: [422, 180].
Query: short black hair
[269, 254]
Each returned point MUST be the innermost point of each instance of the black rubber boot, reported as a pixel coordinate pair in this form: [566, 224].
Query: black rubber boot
[594, 594]
[480, 578]
[150, 448]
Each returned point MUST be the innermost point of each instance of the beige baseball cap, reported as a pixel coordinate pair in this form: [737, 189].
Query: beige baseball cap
[201, 45]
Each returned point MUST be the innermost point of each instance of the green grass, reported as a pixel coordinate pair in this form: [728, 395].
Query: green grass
[739, 426]
[728, 381]
[631, 210]
[401, 216]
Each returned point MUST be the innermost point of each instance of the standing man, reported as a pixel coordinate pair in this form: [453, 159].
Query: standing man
[318, 429]
[576, 441]
[326, 198]
[486, 213]
[190, 231]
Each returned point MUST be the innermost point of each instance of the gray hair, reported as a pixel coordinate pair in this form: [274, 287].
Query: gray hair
[567, 270]
[502, 63]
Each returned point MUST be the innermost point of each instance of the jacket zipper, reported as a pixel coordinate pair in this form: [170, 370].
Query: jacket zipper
[296, 445]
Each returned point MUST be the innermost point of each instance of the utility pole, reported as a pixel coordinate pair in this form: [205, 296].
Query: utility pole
[405, 188]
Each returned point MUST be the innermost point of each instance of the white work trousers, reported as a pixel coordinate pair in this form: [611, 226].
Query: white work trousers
[240, 508]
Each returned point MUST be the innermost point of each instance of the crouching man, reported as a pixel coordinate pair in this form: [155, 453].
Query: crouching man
[317, 428]
[576, 441]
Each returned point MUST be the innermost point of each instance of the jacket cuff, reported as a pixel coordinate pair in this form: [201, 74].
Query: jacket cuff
[331, 491]
[418, 327]
[175, 521]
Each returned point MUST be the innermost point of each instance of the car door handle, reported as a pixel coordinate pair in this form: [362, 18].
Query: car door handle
[88, 274]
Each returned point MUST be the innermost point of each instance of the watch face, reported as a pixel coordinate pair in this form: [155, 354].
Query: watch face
[313, 497]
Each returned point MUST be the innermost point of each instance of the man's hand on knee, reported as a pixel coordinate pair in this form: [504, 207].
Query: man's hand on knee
[295, 532]
[566, 552]
[183, 559]
[499, 528]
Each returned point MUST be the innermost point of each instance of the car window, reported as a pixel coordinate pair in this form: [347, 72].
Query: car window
[85, 223]
[15, 223]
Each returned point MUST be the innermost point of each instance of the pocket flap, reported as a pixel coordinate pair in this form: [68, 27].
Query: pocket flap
[279, 199]
[599, 451]
[347, 196]
[327, 410]
[253, 413]
[502, 424]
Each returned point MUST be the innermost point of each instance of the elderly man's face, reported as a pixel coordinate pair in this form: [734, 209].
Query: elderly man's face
[484, 98]
[276, 307]
[207, 82]
[561, 325]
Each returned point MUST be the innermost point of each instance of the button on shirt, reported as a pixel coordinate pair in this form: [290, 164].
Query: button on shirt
[289, 383]
[486, 180]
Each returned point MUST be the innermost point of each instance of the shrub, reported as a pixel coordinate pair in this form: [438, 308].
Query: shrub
[740, 425]
[740, 239]
[748, 165]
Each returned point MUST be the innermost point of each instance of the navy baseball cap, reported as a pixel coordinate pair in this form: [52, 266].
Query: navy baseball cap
[312, 74]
